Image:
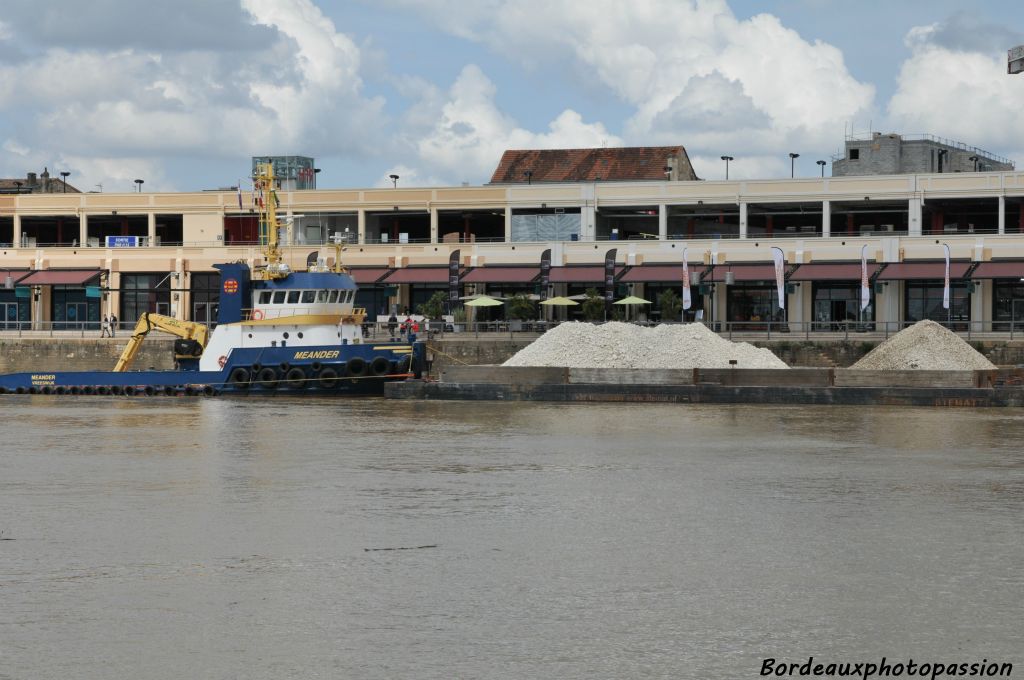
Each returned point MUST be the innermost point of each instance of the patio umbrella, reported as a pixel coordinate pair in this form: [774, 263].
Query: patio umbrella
[559, 302]
[484, 301]
[632, 300]
[480, 295]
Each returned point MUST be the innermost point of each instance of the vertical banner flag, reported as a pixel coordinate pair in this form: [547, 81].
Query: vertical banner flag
[545, 273]
[609, 277]
[240, 195]
[453, 276]
[945, 280]
[686, 281]
[780, 274]
[865, 291]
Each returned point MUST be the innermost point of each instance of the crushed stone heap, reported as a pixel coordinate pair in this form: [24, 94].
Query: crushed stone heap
[925, 346]
[623, 345]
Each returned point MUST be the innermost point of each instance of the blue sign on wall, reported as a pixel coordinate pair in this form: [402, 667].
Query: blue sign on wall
[122, 241]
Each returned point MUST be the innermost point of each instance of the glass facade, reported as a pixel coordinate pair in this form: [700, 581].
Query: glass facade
[15, 312]
[71, 309]
[837, 303]
[140, 293]
[753, 302]
[204, 290]
[924, 301]
[1007, 305]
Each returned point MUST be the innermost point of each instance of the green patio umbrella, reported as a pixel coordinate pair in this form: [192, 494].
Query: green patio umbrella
[484, 301]
[632, 300]
[559, 302]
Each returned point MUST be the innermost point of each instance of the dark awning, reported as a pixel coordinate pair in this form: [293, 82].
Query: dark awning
[502, 275]
[831, 271]
[60, 277]
[999, 270]
[744, 272]
[650, 273]
[418, 275]
[580, 274]
[366, 276]
[911, 271]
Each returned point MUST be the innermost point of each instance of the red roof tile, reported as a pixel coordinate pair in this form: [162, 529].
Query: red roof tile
[588, 165]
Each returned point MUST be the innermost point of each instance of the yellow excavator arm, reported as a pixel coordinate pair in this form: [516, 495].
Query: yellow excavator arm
[186, 330]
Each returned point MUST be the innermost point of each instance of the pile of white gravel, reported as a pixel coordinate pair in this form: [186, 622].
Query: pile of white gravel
[926, 346]
[623, 345]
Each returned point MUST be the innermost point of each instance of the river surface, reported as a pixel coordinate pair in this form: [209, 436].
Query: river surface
[287, 538]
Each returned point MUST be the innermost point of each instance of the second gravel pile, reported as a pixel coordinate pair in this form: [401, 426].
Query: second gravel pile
[623, 345]
[924, 346]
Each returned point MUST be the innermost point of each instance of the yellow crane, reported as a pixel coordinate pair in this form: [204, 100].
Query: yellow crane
[193, 338]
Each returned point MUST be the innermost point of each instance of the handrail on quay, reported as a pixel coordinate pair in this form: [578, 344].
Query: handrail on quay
[379, 331]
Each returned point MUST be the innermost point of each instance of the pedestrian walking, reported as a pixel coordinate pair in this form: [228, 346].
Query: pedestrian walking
[105, 327]
[113, 325]
[392, 326]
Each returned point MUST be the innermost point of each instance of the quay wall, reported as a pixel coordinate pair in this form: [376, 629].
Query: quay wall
[73, 354]
[18, 355]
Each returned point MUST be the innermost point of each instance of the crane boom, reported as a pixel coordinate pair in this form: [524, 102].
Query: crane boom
[186, 330]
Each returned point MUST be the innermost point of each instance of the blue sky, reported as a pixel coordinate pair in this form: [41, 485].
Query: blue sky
[182, 94]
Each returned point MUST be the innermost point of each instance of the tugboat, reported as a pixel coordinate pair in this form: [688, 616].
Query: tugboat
[277, 331]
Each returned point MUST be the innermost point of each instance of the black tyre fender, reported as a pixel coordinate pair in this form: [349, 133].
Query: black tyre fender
[239, 377]
[380, 366]
[149, 390]
[60, 389]
[356, 367]
[256, 368]
[267, 378]
[316, 366]
[129, 391]
[88, 389]
[47, 390]
[296, 378]
[284, 366]
[103, 389]
[328, 378]
[209, 391]
[169, 391]
[20, 390]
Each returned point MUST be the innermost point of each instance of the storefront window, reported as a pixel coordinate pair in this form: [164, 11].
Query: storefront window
[839, 303]
[140, 293]
[753, 302]
[924, 301]
[204, 290]
[71, 309]
[15, 312]
[1007, 305]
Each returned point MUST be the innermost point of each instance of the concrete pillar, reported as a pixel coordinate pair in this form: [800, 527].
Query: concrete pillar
[508, 225]
[662, 222]
[16, 236]
[151, 229]
[1002, 215]
[978, 306]
[361, 225]
[743, 219]
[588, 223]
[433, 225]
[83, 229]
[826, 218]
[914, 210]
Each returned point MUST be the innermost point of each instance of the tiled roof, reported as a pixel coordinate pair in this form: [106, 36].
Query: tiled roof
[8, 186]
[591, 165]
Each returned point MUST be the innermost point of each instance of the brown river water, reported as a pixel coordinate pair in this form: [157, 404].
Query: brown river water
[288, 538]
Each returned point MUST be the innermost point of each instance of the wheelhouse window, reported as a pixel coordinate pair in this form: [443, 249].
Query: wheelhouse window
[293, 296]
[265, 297]
[279, 297]
[333, 297]
[307, 296]
[321, 296]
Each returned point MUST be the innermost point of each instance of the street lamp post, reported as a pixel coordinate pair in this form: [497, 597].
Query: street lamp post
[394, 181]
[64, 180]
[727, 159]
[974, 159]
[138, 184]
[792, 161]
[316, 171]
[822, 164]
[529, 176]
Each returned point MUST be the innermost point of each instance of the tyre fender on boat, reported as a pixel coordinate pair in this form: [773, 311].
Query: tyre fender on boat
[328, 378]
[296, 378]
[267, 378]
[380, 366]
[239, 377]
[356, 367]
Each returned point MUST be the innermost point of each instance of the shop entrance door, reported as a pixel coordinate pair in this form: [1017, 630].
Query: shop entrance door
[76, 314]
[204, 312]
[8, 315]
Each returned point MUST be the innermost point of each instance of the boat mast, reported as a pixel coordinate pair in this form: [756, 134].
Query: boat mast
[264, 188]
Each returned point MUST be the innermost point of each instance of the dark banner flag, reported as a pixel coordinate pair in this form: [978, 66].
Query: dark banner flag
[453, 276]
[545, 273]
[609, 278]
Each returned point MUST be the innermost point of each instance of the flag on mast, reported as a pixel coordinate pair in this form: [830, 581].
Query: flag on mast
[240, 195]
[780, 274]
[945, 280]
[686, 282]
[865, 291]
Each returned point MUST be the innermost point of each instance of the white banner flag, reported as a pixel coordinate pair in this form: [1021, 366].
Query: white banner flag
[865, 291]
[780, 274]
[686, 282]
[945, 281]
